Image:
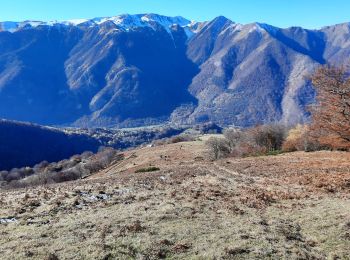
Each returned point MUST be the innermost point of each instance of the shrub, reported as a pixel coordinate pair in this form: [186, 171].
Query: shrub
[182, 138]
[245, 149]
[68, 175]
[14, 174]
[105, 156]
[85, 155]
[299, 139]
[269, 137]
[175, 139]
[148, 169]
[33, 180]
[234, 137]
[92, 166]
[260, 140]
[78, 166]
[218, 148]
[40, 166]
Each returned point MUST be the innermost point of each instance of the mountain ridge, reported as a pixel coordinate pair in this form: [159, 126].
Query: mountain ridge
[133, 70]
[144, 17]
[125, 21]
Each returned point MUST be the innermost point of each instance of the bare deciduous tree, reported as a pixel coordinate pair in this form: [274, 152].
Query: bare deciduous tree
[218, 148]
[331, 114]
[234, 137]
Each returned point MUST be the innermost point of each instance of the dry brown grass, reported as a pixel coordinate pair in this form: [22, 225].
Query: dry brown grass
[291, 206]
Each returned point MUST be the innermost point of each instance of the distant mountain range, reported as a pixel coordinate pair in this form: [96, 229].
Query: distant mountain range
[134, 70]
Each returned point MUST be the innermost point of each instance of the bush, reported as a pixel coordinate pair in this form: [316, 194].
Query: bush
[175, 139]
[106, 156]
[16, 174]
[149, 169]
[268, 137]
[235, 137]
[182, 138]
[248, 149]
[296, 139]
[33, 180]
[68, 175]
[78, 166]
[218, 148]
[41, 166]
[299, 139]
[260, 140]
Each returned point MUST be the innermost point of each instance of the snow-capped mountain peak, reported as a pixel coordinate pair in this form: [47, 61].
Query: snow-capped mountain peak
[125, 22]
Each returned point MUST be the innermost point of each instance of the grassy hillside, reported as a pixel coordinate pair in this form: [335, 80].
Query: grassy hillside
[290, 206]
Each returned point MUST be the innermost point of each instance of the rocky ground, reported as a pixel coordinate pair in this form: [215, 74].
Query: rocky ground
[290, 206]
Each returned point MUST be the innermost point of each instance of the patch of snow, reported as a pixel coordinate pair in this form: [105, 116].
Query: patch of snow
[7, 220]
[38, 23]
[92, 197]
[75, 22]
[128, 22]
[234, 27]
[122, 191]
[256, 28]
[80, 206]
[238, 26]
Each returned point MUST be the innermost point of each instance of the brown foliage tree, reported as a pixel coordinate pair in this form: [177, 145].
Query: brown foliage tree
[331, 114]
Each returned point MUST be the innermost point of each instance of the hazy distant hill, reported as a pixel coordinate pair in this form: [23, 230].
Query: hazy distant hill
[26, 144]
[142, 69]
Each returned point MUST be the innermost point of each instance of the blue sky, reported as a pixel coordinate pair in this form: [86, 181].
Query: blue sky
[282, 13]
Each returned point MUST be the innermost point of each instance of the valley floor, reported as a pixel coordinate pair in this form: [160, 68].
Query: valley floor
[290, 206]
